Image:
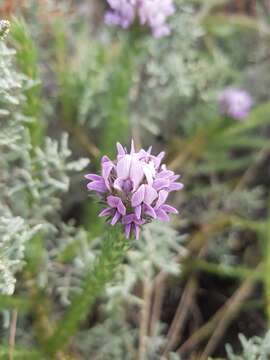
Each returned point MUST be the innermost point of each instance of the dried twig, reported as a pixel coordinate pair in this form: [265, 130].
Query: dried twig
[181, 315]
[144, 321]
[250, 172]
[218, 324]
[195, 245]
[159, 293]
[82, 138]
[12, 333]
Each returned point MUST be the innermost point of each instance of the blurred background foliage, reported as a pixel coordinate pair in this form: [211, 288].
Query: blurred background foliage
[70, 89]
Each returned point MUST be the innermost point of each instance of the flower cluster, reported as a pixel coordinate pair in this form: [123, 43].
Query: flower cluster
[134, 188]
[153, 13]
[235, 103]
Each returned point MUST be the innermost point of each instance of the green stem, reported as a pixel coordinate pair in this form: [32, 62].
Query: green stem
[226, 271]
[113, 250]
[27, 58]
[14, 302]
[20, 353]
[117, 125]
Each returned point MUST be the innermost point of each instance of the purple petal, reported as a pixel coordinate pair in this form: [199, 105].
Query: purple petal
[106, 171]
[127, 186]
[169, 209]
[162, 197]
[149, 173]
[128, 219]
[121, 207]
[105, 158]
[138, 211]
[176, 186]
[120, 149]
[143, 154]
[113, 201]
[107, 167]
[165, 173]
[93, 177]
[116, 202]
[111, 18]
[138, 196]
[136, 172]
[162, 215]
[127, 230]
[137, 231]
[105, 212]
[150, 195]
[123, 167]
[150, 211]
[159, 158]
[161, 183]
[98, 186]
[115, 218]
[161, 31]
[118, 184]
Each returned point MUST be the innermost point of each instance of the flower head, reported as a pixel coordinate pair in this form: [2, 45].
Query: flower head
[153, 13]
[235, 103]
[134, 188]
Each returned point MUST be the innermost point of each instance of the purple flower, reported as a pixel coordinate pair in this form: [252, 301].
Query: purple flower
[153, 13]
[134, 188]
[235, 103]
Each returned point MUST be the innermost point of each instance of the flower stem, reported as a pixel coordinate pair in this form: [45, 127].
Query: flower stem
[113, 250]
[116, 105]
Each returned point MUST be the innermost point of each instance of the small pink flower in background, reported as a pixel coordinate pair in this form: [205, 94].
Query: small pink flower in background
[134, 188]
[235, 103]
[152, 13]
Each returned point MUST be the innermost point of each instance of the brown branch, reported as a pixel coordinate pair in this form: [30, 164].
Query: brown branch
[219, 322]
[144, 321]
[195, 246]
[82, 138]
[231, 309]
[159, 292]
[12, 333]
[181, 316]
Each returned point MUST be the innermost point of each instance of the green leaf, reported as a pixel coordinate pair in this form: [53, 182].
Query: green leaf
[233, 142]
[27, 58]
[14, 302]
[224, 25]
[227, 271]
[20, 354]
[114, 248]
[220, 165]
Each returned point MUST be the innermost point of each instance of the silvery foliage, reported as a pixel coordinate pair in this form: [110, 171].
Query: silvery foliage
[115, 339]
[175, 69]
[158, 250]
[171, 66]
[14, 232]
[66, 278]
[31, 179]
[256, 348]
[155, 251]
